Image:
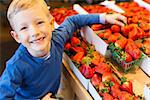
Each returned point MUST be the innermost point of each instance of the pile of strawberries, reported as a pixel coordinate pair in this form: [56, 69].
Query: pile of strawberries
[94, 66]
[126, 48]
[61, 13]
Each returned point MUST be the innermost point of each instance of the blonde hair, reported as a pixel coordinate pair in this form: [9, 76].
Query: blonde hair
[19, 5]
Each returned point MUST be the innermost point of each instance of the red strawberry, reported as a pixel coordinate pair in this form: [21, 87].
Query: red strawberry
[107, 76]
[102, 68]
[75, 41]
[97, 27]
[128, 57]
[77, 49]
[67, 46]
[87, 71]
[127, 86]
[118, 35]
[132, 49]
[107, 33]
[113, 38]
[125, 30]
[139, 44]
[96, 59]
[115, 28]
[121, 42]
[140, 33]
[103, 89]
[78, 57]
[96, 79]
[83, 45]
[125, 96]
[133, 33]
[101, 35]
[115, 91]
[107, 96]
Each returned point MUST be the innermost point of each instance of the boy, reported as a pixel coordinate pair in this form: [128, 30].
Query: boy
[35, 68]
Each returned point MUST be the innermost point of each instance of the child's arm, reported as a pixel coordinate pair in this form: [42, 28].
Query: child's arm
[72, 23]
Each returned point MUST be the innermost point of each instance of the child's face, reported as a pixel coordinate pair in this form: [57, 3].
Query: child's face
[32, 28]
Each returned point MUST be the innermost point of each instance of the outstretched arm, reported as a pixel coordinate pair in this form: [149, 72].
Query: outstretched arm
[72, 23]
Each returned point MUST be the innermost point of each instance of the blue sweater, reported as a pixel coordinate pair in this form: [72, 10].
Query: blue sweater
[28, 77]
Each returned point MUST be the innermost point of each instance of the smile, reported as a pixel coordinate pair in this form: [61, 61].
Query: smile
[37, 40]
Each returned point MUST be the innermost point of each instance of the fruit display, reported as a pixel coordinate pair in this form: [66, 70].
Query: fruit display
[128, 45]
[95, 67]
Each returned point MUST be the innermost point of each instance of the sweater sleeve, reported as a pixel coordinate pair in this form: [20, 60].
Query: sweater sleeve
[72, 23]
[9, 82]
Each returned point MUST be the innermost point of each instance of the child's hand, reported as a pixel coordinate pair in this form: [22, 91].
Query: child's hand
[47, 97]
[116, 19]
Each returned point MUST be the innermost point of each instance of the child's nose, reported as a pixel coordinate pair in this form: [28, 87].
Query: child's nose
[34, 31]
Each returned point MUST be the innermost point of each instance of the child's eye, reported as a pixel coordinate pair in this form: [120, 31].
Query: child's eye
[40, 22]
[23, 28]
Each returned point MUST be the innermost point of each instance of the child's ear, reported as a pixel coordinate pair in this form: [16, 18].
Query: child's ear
[52, 23]
[15, 36]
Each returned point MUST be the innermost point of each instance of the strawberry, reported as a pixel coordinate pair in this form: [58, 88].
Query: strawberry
[132, 49]
[101, 35]
[96, 58]
[139, 44]
[107, 33]
[126, 85]
[140, 33]
[118, 35]
[103, 89]
[67, 46]
[133, 34]
[87, 71]
[83, 45]
[77, 49]
[97, 27]
[95, 80]
[107, 76]
[102, 68]
[113, 38]
[128, 57]
[121, 42]
[78, 57]
[107, 96]
[125, 30]
[75, 41]
[115, 91]
[125, 96]
[115, 28]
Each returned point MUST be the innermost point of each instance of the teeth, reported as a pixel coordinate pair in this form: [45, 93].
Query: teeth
[37, 40]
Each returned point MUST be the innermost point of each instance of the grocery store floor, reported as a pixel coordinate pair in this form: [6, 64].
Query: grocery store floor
[8, 45]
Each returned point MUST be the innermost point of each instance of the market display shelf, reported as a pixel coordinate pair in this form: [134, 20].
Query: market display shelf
[144, 65]
[101, 47]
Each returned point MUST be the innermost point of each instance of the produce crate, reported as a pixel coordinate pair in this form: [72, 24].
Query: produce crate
[126, 66]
